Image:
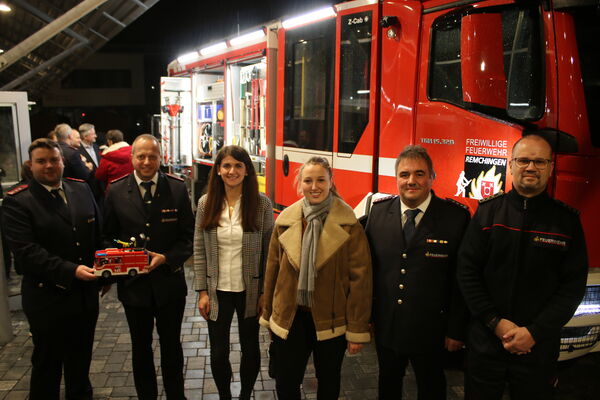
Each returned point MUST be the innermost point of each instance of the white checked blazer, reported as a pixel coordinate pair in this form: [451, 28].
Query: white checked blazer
[255, 246]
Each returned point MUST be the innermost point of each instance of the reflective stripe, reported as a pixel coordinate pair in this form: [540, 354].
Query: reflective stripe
[386, 166]
[340, 161]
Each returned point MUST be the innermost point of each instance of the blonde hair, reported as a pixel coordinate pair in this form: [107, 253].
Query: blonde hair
[316, 160]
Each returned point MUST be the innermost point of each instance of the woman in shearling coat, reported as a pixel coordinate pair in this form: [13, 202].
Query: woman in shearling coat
[233, 227]
[318, 284]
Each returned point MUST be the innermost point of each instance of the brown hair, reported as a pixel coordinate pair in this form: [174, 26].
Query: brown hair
[114, 135]
[216, 191]
[43, 143]
[316, 160]
[415, 152]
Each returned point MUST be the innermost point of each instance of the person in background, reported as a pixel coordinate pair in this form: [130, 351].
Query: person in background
[418, 310]
[52, 135]
[90, 151]
[116, 158]
[154, 207]
[74, 167]
[75, 139]
[53, 228]
[318, 284]
[522, 268]
[233, 227]
[89, 148]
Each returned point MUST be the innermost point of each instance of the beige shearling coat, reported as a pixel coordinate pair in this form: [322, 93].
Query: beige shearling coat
[343, 285]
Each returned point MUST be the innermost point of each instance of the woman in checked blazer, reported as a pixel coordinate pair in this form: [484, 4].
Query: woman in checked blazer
[233, 227]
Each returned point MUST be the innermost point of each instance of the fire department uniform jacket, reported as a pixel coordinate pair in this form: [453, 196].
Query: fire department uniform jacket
[49, 243]
[416, 300]
[524, 259]
[169, 229]
[343, 286]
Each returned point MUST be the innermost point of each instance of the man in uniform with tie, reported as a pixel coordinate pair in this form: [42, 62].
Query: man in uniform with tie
[53, 229]
[155, 208]
[417, 307]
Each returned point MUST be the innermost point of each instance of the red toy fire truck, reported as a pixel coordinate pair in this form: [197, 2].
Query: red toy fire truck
[126, 261]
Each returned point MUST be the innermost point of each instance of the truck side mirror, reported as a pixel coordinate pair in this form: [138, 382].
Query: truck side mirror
[482, 60]
[502, 66]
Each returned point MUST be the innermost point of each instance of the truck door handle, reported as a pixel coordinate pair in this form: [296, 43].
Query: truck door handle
[286, 165]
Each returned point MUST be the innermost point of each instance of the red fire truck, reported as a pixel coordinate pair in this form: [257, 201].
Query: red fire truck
[125, 261]
[357, 82]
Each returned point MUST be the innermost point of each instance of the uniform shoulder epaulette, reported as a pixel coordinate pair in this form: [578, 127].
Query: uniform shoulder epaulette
[386, 198]
[568, 207]
[18, 189]
[492, 197]
[74, 179]
[457, 203]
[175, 177]
[120, 178]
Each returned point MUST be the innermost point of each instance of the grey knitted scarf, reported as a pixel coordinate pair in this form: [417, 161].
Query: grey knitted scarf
[315, 215]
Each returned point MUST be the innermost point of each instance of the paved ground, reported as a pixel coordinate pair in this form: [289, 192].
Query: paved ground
[112, 376]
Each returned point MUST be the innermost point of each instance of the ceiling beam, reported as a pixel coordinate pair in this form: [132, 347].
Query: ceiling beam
[48, 32]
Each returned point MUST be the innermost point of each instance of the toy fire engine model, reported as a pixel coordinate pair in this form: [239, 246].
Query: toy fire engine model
[127, 260]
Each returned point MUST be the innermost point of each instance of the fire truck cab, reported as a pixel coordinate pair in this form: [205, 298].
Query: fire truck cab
[357, 82]
[126, 261]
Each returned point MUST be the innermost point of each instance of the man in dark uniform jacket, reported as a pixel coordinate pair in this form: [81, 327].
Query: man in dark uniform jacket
[52, 227]
[417, 307]
[156, 205]
[522, 270]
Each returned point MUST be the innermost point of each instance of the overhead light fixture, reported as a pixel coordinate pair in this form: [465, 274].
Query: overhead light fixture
[4, 7]
[248, 37]
[309, 17]
[182, 59]
[213, 48]
[1, 51]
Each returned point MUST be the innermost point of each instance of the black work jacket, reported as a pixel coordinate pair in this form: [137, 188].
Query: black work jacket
[524, 259]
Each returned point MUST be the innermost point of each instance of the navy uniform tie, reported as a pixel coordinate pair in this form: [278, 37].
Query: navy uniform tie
[410, 226]
[147, 199]
[60, 203]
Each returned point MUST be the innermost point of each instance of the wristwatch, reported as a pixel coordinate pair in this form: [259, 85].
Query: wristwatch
[492, 323]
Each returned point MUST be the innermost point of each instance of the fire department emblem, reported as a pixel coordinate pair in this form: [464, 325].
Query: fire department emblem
[487, 188]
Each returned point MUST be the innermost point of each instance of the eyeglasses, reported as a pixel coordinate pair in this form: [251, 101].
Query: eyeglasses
[540, 163]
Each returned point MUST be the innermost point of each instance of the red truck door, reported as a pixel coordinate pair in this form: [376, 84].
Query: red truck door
[482, 82]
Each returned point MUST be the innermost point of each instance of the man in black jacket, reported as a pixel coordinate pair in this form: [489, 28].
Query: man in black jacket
[417, 307]
[91, 153]
[156, 205]
[52, 227]
[522, 270]
[74, 166]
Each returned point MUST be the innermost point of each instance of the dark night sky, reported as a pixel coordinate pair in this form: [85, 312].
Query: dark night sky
[174, 27]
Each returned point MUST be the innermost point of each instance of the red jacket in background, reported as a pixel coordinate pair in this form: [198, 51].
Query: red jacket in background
[115, 163]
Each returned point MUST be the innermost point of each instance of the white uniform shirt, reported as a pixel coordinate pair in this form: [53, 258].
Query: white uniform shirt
[229, 239]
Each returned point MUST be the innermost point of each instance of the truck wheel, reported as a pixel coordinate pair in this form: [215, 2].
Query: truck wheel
[106, 274]
[132, 272]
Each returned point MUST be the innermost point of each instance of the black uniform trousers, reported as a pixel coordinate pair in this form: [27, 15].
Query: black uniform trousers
[292, 356]
[218, 333]
[168, 325]
[490, 367]
[429, 373]
[61, 341]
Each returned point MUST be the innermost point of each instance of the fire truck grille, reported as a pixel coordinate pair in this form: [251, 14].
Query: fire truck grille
[577, 338]
[590, 303]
